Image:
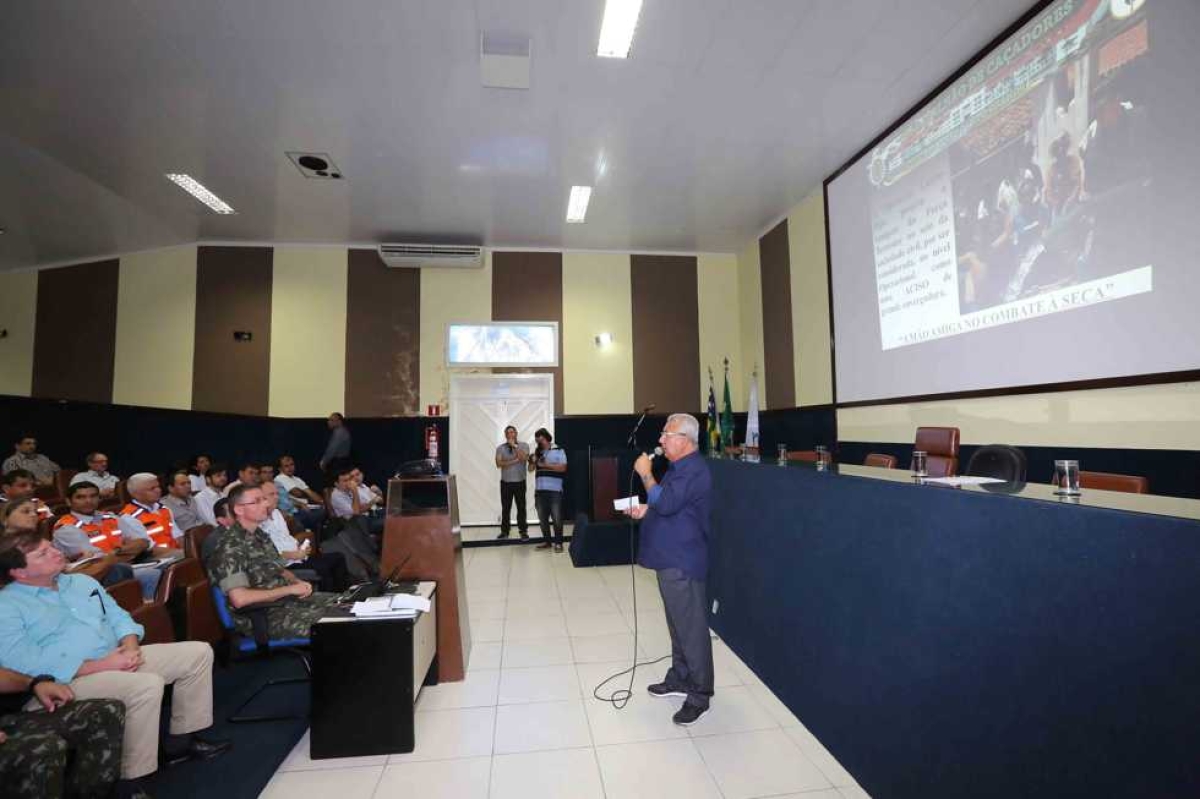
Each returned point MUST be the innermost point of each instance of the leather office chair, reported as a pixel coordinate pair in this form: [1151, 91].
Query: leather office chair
[261, 644]
[1000, 461]
[802, 455]
[1107, 481]
[880, 461]
[941, 447]
[185, 593]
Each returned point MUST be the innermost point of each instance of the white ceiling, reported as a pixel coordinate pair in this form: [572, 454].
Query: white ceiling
[727, 113]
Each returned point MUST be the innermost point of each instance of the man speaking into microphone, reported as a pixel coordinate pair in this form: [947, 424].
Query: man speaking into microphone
[674, 542]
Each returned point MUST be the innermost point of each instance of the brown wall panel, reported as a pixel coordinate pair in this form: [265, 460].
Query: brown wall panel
[527, 287]
[666, 333]
[75, 332]
[778, 351]
[233, 292]
[383, 338]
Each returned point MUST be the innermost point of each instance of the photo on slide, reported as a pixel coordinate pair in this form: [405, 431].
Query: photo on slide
[1024, 190]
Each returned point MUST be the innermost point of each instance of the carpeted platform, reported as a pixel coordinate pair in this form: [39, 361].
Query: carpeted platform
[258, 748]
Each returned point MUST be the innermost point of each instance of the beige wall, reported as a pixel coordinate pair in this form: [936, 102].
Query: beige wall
[720, 323]
[449, 295]
[1138, 417]
[750, 326]
[156, 329]
[596, 298]
[308, 331]
[18, 312]
[810, 302]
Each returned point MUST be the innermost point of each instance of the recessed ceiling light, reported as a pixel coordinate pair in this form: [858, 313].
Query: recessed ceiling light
[616, 31]
[197, 190]
[578, 203]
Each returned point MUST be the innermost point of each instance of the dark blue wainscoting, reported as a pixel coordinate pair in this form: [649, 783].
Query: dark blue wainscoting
[957, 644]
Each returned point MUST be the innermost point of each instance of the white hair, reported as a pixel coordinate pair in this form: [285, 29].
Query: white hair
[138, 480]
[686, 424]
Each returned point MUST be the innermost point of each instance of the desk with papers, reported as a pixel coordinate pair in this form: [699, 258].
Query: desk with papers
[367, 671]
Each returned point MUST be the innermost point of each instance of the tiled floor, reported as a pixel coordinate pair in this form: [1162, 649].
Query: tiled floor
[525, 724]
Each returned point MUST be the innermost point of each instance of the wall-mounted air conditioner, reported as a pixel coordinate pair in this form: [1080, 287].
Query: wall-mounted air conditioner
[416, 256]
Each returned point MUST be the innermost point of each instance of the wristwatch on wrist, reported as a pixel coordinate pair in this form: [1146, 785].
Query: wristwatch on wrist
[40, 679]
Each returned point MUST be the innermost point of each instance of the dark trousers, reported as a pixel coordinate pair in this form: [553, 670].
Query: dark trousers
[549, 506]
[509, 493]
[330, 567]
[311, 518]
[685, 602]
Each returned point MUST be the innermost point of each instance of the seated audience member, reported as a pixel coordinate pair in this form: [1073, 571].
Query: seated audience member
[247, 476]
[85, 532]
[248, 568]
[330, 567]
[369, 495]
[19, 484]
[28, 458]
[309, 506]
[98, 475]
[181, 502]
[146, 517]
[266, 473]
[217, 478]
[61, 747]
[198, 471]
[68, 627]
[224, 522]
[21, 517]
[346, 502]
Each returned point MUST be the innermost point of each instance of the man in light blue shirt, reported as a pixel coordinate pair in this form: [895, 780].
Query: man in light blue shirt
[68, 627]
[549, 463]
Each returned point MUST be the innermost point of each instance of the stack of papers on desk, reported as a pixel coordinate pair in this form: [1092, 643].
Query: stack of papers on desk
[391, 606]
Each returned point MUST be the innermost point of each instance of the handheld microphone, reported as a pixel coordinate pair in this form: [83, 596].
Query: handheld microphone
[657, 453]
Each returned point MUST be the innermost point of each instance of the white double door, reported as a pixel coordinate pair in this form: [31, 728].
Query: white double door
[481, 406]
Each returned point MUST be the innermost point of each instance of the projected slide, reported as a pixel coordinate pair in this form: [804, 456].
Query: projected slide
[983, 212]
[503, 345]
[1035, 222]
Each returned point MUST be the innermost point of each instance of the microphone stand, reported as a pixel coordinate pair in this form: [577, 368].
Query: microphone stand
[631, 442]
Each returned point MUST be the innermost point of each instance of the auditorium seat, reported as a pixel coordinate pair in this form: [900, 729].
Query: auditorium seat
[127, 593]
[1107, 481]
[940, 444]
[184, 591]
[156, 623]
[880, 461]
[193, 540]
[1000, 461]
[62, 479]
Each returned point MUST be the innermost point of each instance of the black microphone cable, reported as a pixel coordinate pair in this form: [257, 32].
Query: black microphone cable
[620, 697]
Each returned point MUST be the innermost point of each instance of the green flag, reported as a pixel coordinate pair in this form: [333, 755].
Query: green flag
[727, 414]
[714, 424]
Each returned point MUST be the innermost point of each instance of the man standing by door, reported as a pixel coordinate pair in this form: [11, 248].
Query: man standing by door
[511, 457]
[550, 464]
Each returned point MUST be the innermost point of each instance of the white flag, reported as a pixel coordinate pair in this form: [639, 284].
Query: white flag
[752, 413]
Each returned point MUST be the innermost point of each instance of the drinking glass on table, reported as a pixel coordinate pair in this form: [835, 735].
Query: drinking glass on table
[782, 459]
[822, 458]
[920, 466]
[1066, 478]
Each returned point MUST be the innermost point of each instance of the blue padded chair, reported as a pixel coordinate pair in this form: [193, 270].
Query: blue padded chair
[259, 644]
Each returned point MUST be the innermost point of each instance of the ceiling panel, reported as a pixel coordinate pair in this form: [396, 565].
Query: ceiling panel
[726, 114]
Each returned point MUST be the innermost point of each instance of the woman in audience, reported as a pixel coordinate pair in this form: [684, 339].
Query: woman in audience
[22, 516]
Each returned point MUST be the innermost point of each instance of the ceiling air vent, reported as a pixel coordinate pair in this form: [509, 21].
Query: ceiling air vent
[416, 256]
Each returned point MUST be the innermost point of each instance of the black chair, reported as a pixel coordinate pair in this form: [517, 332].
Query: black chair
[1000, 461]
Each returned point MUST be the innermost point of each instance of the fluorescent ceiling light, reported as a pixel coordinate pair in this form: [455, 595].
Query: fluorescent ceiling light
[577, 205]
[197, 190]
[616, 31]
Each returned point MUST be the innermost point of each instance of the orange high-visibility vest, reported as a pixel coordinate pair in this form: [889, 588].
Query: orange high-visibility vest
[103, 531]
[157, 523]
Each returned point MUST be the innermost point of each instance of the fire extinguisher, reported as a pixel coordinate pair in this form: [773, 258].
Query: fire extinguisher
[431, 442]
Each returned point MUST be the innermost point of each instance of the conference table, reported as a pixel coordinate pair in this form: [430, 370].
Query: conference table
[983, 641]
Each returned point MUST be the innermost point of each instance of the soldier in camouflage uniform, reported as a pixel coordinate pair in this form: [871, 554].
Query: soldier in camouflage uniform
[66, 749]
[249, 569]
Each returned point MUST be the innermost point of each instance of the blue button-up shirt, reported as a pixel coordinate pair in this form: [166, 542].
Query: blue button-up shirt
[547, 480]
[674, 532]
[44, 631]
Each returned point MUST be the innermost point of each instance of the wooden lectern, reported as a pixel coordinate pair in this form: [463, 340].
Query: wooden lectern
[422, 522]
